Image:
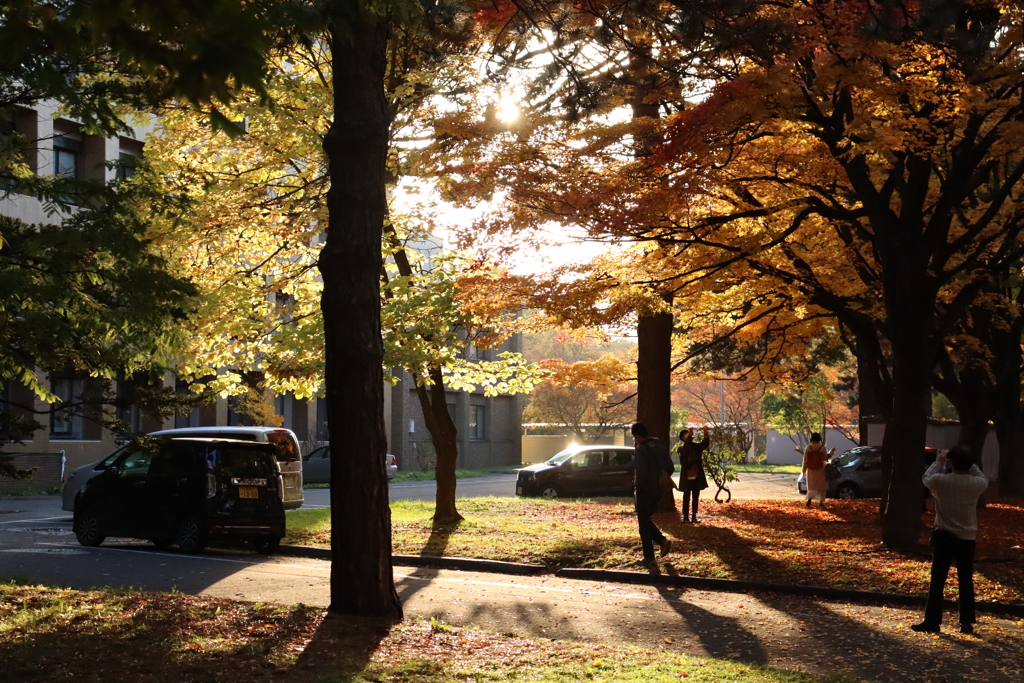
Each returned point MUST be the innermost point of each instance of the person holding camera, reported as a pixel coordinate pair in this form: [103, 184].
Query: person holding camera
[692, 480]
[953, 539]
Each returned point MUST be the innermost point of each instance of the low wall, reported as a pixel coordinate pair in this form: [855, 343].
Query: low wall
[781, 448]
[943, 434]
[47, 475]
[538, 448]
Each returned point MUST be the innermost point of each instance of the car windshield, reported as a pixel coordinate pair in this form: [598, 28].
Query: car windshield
[109, 460]
[559, 458]
[232, 461]
[850, 457]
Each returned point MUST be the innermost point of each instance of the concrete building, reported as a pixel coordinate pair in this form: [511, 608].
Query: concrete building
[56, 145]
[488, 426]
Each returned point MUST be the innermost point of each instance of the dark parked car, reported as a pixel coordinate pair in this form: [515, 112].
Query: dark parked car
[289, 461]
[80, 475]
[580, 471]
[860, 473]
[316, 467]
[185, 491]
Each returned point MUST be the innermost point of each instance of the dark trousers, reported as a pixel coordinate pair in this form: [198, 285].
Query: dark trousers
[689, 495]
[646, 503]
[947, 549]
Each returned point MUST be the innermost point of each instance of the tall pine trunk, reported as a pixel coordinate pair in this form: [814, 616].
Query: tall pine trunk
[910, 305]
[1008, 417]
[362, 582]
[1009, 426]
[654, 380]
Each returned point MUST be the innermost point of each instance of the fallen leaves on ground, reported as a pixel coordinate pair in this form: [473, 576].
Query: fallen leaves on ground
[765, 540]
[51, 635]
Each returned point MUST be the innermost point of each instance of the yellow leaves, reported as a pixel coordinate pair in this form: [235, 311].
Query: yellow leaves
[604, 374]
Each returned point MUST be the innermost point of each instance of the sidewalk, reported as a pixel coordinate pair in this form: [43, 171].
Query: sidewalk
[805, 634]
[865, 641]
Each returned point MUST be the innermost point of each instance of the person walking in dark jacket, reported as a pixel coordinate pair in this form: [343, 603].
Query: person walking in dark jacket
[650, 459]
[953, 540]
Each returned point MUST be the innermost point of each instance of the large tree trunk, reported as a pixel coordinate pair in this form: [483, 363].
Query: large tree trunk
[910, 305]
[1009, 426]
[443, 433]
[654, 380]
[870, 388]
[362, 582]
[974, 414]
[1007, 407]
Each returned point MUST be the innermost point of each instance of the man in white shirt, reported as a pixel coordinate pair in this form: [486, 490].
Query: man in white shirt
[953, 540]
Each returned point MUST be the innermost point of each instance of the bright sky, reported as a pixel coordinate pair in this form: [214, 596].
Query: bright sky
[564, 246]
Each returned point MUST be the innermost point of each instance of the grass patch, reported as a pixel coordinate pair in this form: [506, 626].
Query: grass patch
[768, 540]
[50, 635]
[428, 475]
[417, 475]
[765, 468]
[30, 491]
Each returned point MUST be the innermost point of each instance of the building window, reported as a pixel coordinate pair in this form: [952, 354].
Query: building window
[321, 420]
[476, 422]
[65, 424]
[7, 137]
[65, 156]
[190, 419]
[126, 165]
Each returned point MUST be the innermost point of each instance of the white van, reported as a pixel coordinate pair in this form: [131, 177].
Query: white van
[289, 456]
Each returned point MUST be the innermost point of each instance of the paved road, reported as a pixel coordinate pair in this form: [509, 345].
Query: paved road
[502, 485]
[869, 642]
[756, 485]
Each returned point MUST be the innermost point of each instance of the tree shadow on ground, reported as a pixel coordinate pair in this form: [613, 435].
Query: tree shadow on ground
[159, 638]
[440, 536]
[412, 581]
[879, 647]
[720, 636]
[341, 648]
[584, 553]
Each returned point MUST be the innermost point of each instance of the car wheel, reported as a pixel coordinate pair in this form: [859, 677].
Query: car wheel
[191, 535]
[87, 529]
[265, 546]
[847, 492]
[550, 492]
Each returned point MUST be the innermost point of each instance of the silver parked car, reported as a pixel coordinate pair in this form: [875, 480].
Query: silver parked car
[860, 473]
[316, 467]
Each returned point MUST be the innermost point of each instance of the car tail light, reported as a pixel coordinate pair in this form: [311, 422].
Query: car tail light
[211, 485]
[389, 460]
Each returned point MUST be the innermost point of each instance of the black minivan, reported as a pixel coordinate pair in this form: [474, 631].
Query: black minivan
[185, 491]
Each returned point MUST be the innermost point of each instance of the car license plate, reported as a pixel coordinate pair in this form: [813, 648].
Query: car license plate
[519, 490]
[248, 492]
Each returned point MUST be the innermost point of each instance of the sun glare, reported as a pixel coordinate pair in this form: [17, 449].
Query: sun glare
[508, 109]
